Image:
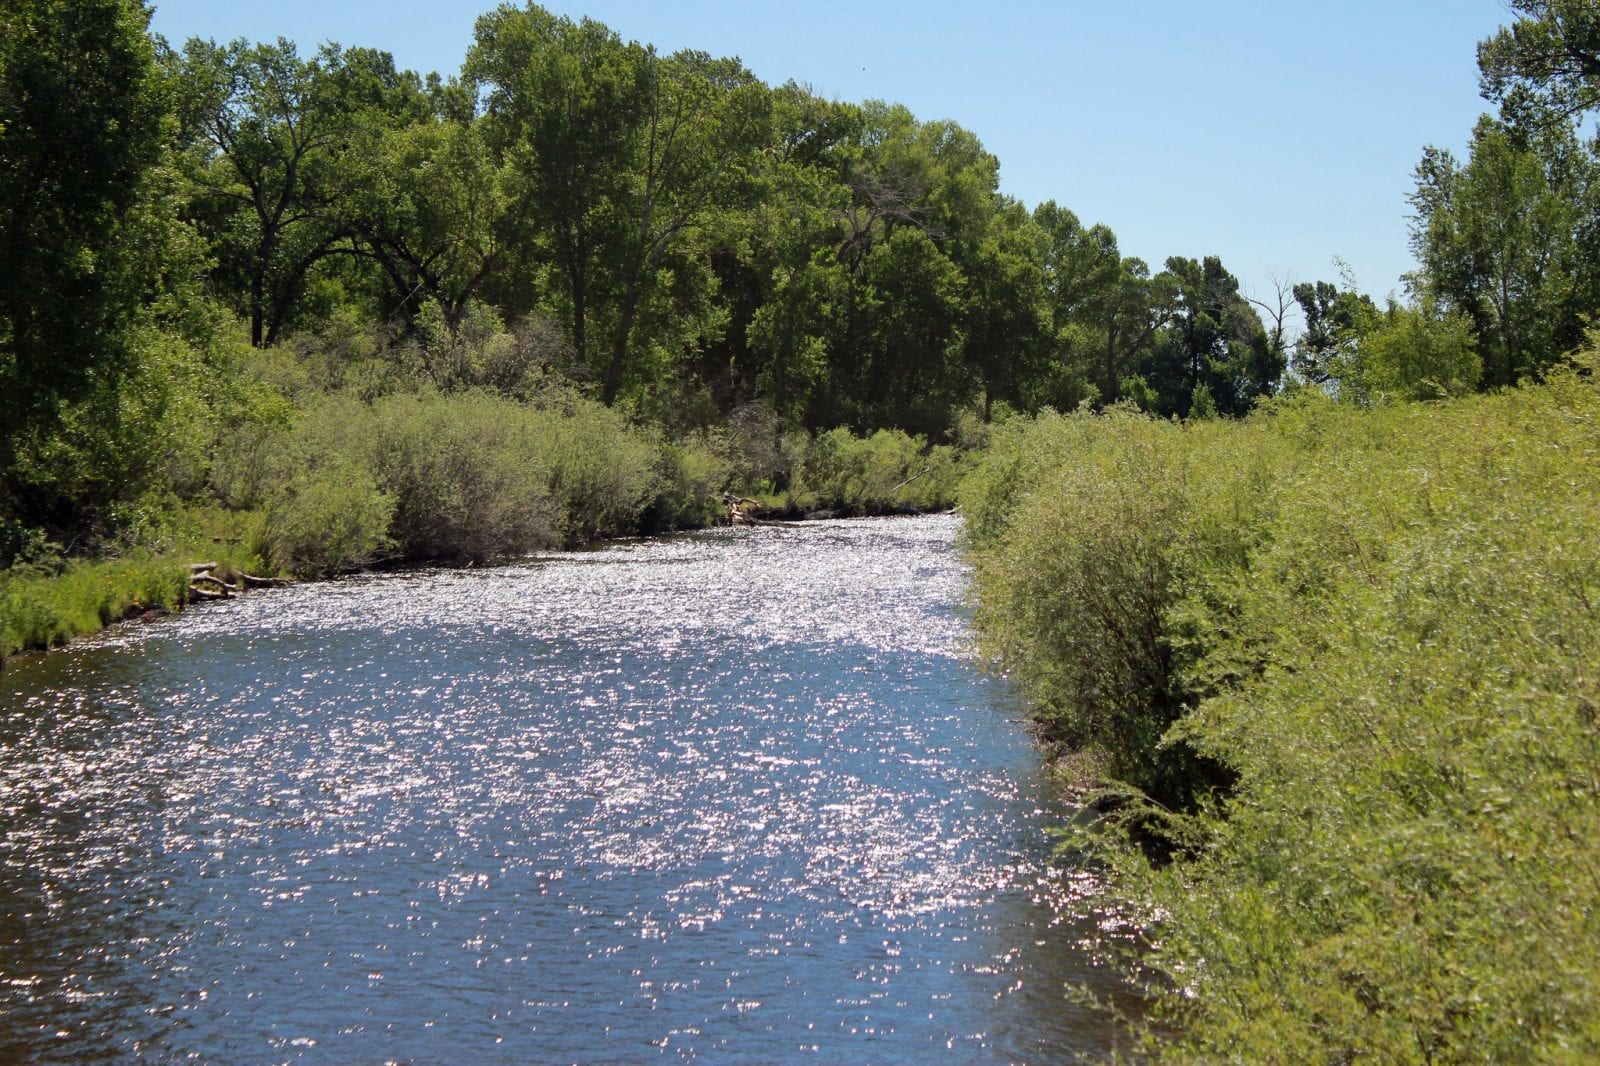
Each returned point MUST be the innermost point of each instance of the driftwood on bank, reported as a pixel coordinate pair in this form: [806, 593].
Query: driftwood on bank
[908, 480]
[206, 585]
[250, 581]
[741, 509]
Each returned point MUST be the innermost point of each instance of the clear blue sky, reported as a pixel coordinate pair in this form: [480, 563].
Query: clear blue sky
[1276, 134]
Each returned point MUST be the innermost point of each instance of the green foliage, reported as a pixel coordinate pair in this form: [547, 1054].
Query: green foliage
[1501, 240]
[328, 518]
[275, 155]
[600, 472]
[1410, 353]
[434, 209]
[1106, 309]
[460, 477]
[124, 441]
[1213, 340]
[81, 124]
[103, 334]
[47, 602]
[691, 476]
[1077, 527]
[1335, 322]
[1382, 622]
[886, 472]
[1546, 65]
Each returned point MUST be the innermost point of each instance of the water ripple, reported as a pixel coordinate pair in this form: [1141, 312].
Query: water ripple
[738, 795]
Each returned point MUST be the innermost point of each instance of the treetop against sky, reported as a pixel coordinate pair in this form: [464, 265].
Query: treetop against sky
[1276, 136]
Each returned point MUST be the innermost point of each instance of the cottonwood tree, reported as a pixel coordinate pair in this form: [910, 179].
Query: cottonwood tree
[82, 110]
[433, 212]
[1498, 240]
[270, 139]
[1546, 65]
[1213, 352]
[100, 302]
[1006, 320]
[563, 102]
[1334, 321]
[1107, 309]
[702, 125]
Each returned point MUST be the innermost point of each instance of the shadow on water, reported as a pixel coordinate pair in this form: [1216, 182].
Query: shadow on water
[736, 795]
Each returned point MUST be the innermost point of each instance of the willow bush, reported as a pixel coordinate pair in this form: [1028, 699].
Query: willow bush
[461, 477]
[1385, 626]
[886, 472]
[1078, 528]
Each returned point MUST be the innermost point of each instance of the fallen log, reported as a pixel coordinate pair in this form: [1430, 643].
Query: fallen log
[215, 580]
[252, 582]
[909, 480]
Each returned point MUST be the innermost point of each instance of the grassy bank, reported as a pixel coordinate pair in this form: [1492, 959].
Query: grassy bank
[42, 608]
[1345, 661]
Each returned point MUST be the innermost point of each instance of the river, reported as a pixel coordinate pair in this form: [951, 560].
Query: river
[735, 796]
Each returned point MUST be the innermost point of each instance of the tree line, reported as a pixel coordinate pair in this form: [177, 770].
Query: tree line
[665, 233]
[681, 222]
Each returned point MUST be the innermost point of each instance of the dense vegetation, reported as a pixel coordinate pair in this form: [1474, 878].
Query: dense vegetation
[1329, 670]
[1345, 662]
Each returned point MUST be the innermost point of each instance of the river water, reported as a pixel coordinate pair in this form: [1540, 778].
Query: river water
[737, 796]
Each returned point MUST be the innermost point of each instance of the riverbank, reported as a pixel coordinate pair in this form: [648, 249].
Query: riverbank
[459, 480]
[1342, 662]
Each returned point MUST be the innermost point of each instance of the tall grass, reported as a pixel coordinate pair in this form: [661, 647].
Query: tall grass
[1385, 626]
[45, 607]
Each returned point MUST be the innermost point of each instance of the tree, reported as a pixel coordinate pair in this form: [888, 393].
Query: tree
[270, 135]
[1545, 67]
[1497, 240]
[795, 288]
[1214, 344]
[702, 124]
[563, 101]
[1107, 309]
[82, 112]
[922, 197]
[1006, 325]
[906, 369]
[433, 211]
[1335, 322]
[1413, 353]
[1274, 340]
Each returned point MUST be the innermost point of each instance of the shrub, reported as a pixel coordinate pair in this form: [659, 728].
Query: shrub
[691, 476]
[876, 474]
[1085, 553]
[329, 518]
[1383, 622]
[600, 471]
[465, 475]
[462, 477]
